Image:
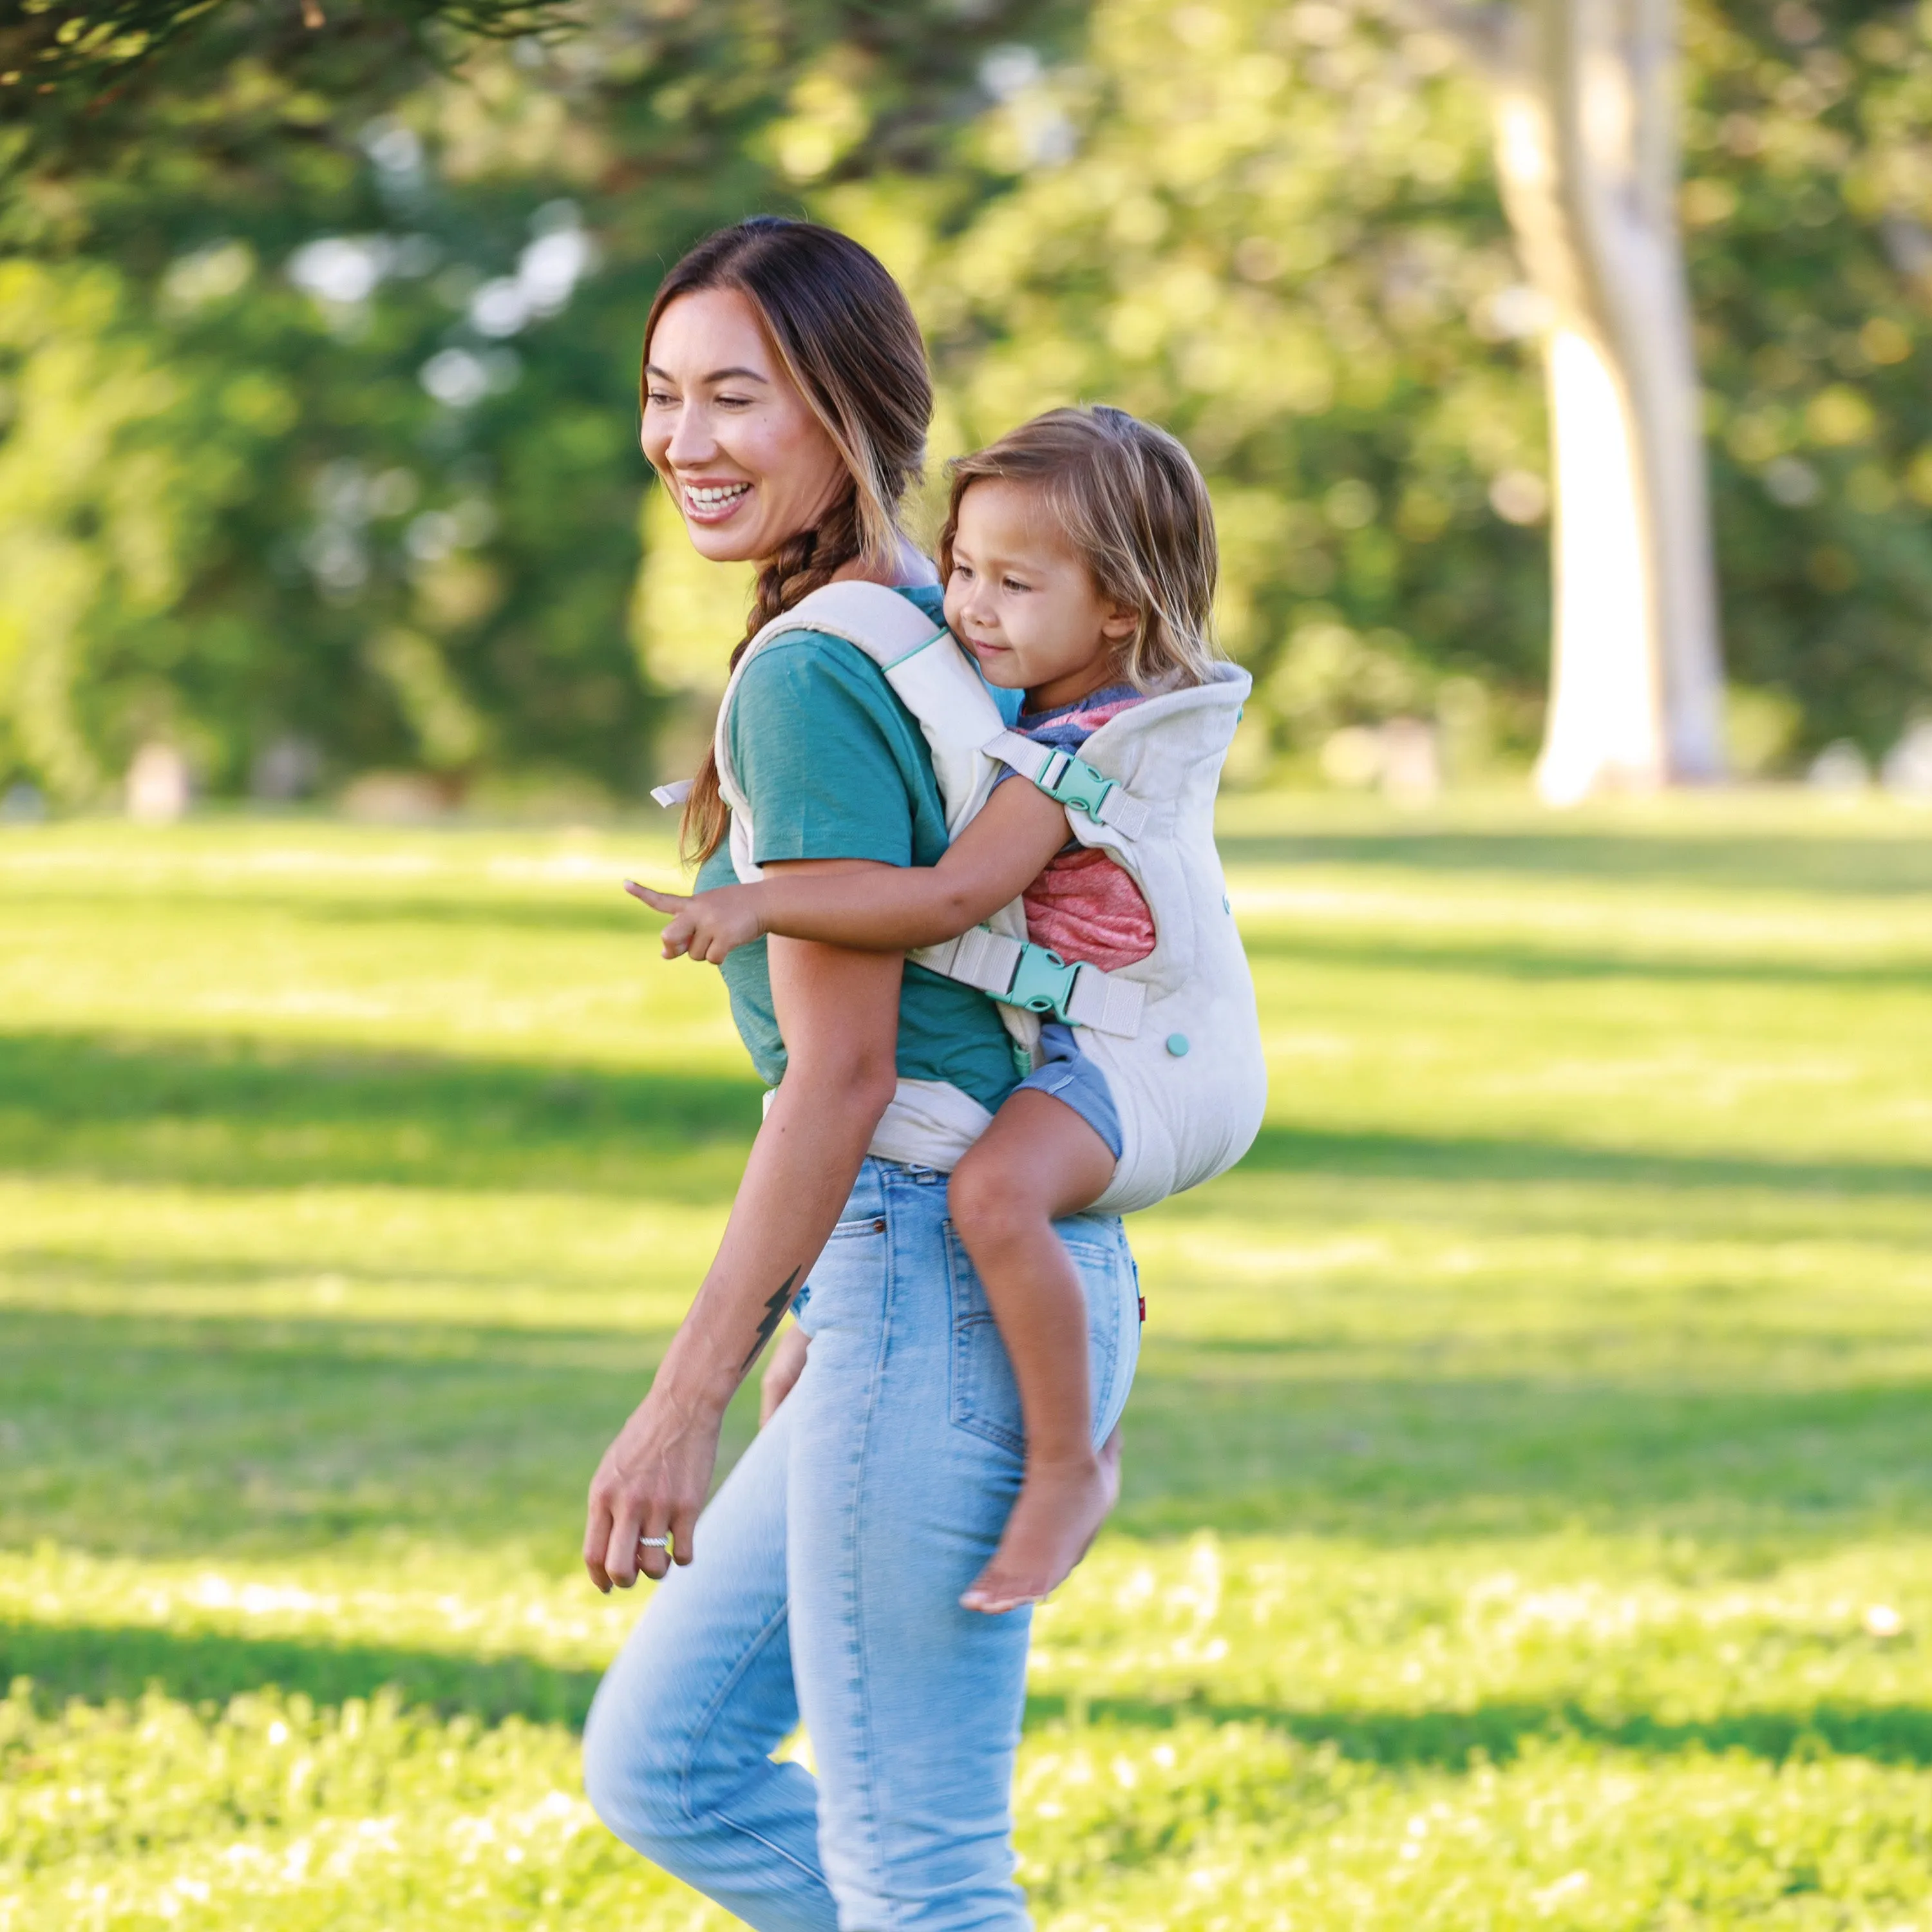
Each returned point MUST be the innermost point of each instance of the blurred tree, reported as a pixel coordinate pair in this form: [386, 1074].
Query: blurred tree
[1278, 229]
[317, 434]
[1586, 113]
[395, 310]
[1275, 230]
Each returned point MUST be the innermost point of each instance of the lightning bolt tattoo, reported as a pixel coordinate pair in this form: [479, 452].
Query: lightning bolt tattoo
[775, 1311]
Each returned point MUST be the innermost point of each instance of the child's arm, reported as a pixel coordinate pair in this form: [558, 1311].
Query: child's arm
[994, 860]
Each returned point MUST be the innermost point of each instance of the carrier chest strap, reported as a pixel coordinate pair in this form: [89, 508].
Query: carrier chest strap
[1019, 973]
[1072, 782]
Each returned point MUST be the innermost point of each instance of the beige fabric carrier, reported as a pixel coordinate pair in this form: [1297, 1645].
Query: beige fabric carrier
[1176, 1033]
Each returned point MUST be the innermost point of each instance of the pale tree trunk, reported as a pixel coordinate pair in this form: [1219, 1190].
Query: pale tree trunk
[1586, 154]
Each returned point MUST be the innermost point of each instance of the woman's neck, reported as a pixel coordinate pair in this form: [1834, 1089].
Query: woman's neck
[909, 567]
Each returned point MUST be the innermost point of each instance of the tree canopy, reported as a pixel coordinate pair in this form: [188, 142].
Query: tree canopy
[318, 345]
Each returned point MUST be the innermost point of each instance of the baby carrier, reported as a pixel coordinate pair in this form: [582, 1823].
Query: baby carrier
[1176, 1033]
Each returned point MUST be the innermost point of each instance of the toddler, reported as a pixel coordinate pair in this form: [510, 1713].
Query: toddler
[1078, 560]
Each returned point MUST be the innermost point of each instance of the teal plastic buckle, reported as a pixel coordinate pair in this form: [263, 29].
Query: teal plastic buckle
[1043, 982]
[1077, 785]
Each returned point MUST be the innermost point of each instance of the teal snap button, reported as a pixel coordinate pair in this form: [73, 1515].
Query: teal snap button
[1177, 1044]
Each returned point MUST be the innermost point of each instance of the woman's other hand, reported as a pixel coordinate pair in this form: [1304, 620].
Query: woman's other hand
[781, 1373]
[651, 1482]
[707, 925]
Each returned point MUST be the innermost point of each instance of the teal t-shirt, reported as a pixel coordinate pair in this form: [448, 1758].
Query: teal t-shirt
[836, 767]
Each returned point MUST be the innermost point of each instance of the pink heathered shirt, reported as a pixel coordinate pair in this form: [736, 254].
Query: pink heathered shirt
[1084, 905]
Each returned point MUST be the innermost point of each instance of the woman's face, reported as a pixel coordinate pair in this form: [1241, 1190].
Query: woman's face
[746, 461]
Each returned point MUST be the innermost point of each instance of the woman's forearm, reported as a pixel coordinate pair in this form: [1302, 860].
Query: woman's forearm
[800, 1172]
[837, 1012]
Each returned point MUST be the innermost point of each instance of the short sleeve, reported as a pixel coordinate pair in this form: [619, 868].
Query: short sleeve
[822, 751]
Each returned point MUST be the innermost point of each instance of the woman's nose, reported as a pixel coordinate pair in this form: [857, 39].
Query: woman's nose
[692, 441]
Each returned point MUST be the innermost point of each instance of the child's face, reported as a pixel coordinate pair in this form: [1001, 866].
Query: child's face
[1024, 605]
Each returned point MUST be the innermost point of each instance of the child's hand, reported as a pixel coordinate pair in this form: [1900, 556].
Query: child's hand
[707, 925]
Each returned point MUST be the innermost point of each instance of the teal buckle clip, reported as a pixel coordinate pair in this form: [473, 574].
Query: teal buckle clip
[1069, 781]
[1043, 983]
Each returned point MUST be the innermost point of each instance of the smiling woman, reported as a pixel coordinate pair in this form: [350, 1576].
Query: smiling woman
[781, 442]
[785, 399]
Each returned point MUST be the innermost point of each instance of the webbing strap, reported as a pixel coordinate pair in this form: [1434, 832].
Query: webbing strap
[676, 793]
[1020, 973]
[1072, 782]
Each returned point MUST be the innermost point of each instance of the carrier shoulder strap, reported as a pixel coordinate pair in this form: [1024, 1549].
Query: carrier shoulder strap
[927, 670]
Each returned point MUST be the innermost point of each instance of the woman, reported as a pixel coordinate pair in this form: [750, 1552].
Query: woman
[786, 398]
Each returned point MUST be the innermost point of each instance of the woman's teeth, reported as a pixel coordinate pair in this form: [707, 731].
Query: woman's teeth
[714, 498]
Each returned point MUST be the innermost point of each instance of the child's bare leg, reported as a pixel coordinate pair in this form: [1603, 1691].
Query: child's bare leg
[1038, 1161]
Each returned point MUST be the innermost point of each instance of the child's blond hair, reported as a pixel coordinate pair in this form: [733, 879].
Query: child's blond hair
[1133, 508]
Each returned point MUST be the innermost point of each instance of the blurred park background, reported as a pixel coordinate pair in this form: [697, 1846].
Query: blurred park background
[318, 342]
[1527, 1518]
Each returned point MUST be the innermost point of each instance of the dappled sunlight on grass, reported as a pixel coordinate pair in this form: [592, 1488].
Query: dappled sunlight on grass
[1528, 1517]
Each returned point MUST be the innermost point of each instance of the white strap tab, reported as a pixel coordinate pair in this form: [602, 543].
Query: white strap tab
[1027, 756]
[1105, 1002]
[676, 793]
[979, 958]
[1121, 811]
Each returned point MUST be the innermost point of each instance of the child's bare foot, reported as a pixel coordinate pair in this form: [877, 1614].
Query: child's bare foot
[1061, 1507]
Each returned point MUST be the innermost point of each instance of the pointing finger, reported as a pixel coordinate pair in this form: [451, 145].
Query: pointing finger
[671, 902]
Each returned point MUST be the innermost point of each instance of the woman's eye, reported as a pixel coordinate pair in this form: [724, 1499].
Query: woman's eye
[734, 402]
[660, 399]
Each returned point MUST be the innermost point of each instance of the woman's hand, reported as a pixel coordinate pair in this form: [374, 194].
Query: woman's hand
[651, 1482]
[707, 925]
[781, 1373]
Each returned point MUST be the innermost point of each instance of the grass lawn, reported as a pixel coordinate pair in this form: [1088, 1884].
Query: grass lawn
[1529, 1506]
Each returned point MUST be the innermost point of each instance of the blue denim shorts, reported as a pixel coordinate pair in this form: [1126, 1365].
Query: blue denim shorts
[1069, 1076]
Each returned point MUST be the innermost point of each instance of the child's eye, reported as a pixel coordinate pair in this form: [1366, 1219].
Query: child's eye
[962, 570]
[1014, 583]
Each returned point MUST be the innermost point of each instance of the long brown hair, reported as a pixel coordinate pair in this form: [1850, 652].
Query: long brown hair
[844, 332]
[1133, 507]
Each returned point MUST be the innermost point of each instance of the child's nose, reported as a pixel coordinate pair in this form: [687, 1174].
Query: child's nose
[978, 610]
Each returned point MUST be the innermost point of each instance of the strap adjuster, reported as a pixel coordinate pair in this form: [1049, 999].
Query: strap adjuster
[1043, 982]
[1072, 782]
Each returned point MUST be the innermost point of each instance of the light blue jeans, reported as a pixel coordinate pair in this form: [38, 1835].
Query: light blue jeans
[826, 1586]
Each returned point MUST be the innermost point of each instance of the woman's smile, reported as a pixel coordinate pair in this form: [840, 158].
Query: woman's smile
[711, 500]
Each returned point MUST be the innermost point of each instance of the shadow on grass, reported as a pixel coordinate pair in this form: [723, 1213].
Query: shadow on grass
[155, 1435]
[1452, 1740]
[1541, 963]
[96, 1662]
[271, 1435]
[241, 1113]
[1783, 860]
[1283, 1147]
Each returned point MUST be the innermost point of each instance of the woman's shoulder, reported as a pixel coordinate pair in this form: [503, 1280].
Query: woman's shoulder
[811, 670]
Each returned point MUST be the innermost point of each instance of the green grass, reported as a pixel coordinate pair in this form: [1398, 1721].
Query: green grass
[1528, 1507]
